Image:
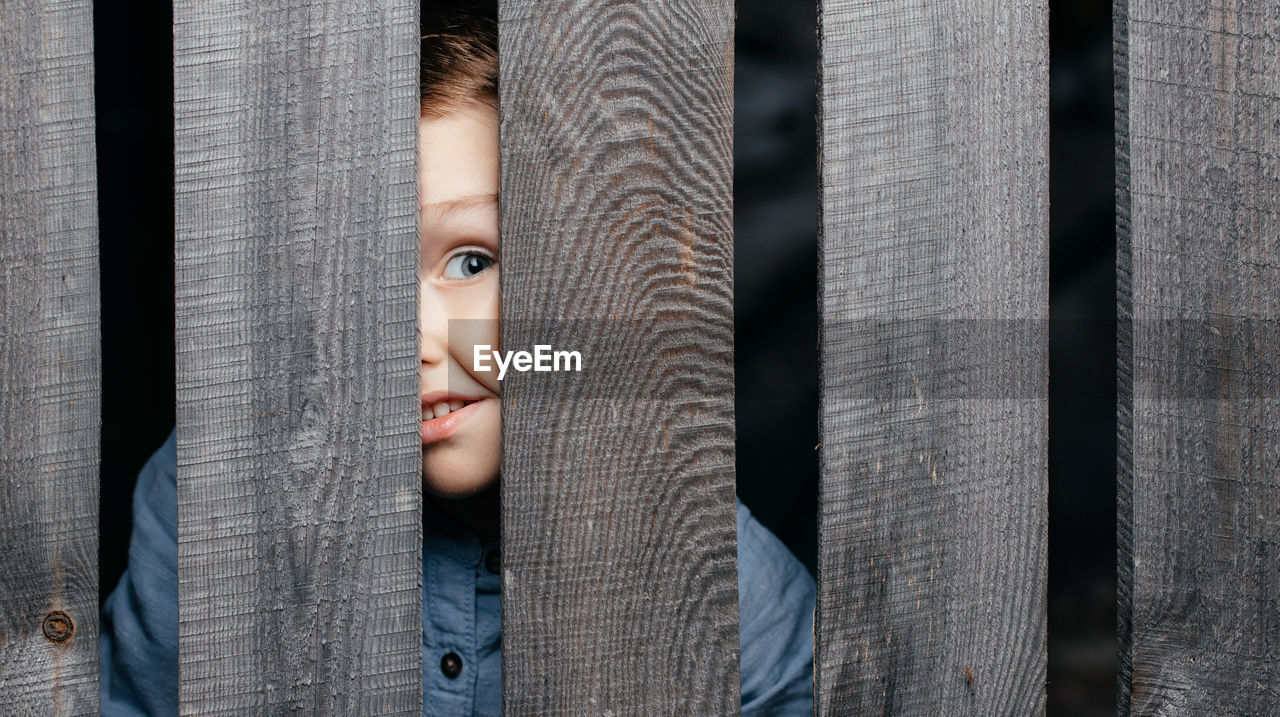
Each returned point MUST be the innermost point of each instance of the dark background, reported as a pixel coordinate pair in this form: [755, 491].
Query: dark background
[776, 203]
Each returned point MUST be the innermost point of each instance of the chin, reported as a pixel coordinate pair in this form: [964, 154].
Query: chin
[444, 476]
[453, 490]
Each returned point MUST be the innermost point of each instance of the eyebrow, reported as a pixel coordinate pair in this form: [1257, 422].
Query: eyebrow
[462, 204]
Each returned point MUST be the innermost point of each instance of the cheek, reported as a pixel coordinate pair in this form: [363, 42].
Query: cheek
[491, 297]
[477, 303]
[473, 313]
[492, 311]
[474, 322]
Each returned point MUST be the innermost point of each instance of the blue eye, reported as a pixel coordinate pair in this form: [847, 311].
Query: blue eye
[466, 265]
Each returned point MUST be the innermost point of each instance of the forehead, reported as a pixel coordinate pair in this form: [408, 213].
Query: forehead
[458, 155]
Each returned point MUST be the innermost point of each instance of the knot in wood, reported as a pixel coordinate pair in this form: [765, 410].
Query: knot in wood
[58, 626]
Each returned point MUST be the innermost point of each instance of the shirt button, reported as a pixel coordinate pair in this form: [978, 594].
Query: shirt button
[493, 561]
[451, 665]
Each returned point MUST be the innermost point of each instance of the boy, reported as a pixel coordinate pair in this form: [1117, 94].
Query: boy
[461, 438]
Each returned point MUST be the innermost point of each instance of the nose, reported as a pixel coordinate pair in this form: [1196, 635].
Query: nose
[433, 326]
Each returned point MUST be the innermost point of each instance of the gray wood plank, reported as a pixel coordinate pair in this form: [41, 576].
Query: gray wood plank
[934, 300]
[50, 360]
[1198, 261]
[299, 457]
[619, 582]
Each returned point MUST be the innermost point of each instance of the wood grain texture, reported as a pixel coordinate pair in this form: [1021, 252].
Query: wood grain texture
[299, 460]
[50, 360]
[934, 267]
[1198, 224]
[619, 582]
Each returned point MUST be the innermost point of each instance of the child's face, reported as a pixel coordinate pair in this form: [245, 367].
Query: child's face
[458, 273]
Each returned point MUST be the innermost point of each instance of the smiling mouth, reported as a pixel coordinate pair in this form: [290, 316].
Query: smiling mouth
[444, 408]
[442, 419]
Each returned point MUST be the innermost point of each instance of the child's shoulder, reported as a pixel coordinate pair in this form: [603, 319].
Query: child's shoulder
[763, 559]
[165, 458]
[776, 597]
[155, 497]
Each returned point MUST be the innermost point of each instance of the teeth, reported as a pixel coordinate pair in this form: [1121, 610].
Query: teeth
[442, 408]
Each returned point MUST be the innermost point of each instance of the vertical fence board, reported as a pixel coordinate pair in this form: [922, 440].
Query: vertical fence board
[934, 300]
[50, 360]
[299, 456]
[1198, 224]
[619, 587]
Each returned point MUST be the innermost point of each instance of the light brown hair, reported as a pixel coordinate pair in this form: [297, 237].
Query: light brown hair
[459, 55]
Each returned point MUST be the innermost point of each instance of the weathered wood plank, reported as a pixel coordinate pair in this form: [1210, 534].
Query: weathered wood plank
[299, 454]
[934, 301]
[619, 587]
[50, 360]
[1198, 261]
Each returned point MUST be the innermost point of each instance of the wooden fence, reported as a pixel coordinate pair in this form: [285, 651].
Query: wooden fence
[299, 490]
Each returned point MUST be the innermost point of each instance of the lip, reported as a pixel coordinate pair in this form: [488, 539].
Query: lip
[435, 430]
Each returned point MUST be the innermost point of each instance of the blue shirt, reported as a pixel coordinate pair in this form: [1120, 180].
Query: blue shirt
[138, 640]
